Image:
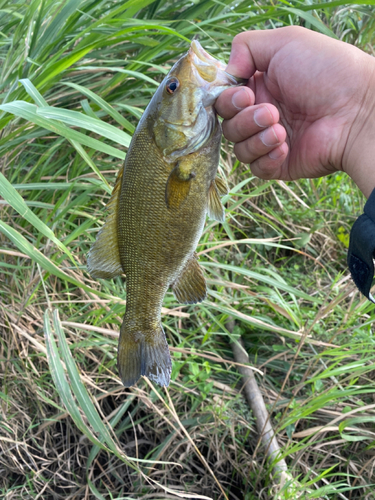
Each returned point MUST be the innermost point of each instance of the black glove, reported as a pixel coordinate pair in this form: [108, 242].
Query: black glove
[362, 249]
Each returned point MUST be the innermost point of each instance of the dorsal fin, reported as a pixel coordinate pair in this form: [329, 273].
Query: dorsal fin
[103, 260]
[215, 207]
[190, 286]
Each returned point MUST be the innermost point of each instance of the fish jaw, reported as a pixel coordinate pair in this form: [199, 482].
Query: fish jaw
[210, 74]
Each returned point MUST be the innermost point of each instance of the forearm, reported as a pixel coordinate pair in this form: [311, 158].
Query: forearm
[358, 159]
[360, 163]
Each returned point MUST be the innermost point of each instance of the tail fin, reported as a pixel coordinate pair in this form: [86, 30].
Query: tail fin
[143, 353]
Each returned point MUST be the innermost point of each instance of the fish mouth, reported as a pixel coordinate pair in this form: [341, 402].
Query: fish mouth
[210, 74]
[206, 65]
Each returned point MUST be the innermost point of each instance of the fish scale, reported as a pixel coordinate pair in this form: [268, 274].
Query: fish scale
[158, 209]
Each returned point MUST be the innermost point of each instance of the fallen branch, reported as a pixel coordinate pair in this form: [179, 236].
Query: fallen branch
[258, 407]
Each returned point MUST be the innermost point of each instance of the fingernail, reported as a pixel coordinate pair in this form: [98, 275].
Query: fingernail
[240, 99]
[277, 153]
[263, 117]
[269, 137]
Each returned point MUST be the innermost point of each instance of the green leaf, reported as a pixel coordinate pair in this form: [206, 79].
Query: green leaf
[104, 105]
[25, 247]
[16, 201]
[314, 21]
[134, 74]
[263, 279]
[67, 9]
[80, 392]
[77, 119]
[357, 433]
[89, 161]
[61, 382]
[29, 112]
[60, 66]
[33, 92]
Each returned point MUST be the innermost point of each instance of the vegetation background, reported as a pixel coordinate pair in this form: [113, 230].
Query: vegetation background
[75, 76]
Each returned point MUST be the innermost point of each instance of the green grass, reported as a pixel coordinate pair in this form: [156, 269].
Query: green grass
[75, 78]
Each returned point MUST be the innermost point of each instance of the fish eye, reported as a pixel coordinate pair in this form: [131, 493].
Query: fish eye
[172, 85]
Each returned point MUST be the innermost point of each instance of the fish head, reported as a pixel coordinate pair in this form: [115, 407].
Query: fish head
[184, 118]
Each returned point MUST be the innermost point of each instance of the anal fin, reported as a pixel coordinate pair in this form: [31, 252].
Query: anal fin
[103, 260]
[215, 207]
[190, 287]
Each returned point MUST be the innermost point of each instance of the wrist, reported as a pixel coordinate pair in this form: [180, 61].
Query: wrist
[359, 154]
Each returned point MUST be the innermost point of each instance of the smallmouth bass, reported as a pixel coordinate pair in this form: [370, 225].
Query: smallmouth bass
[158, 208]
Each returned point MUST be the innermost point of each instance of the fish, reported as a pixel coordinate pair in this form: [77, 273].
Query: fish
[158, 207]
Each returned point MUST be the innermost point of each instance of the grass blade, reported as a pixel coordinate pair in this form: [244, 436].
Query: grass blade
[29, 112]
[104, 105]
[16, 201]
[77, 119]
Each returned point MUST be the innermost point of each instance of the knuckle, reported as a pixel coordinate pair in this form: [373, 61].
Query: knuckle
[226, 129]
[295, 30]
[245, 151]
[251, 150]
[264, 169]
[240, 154]
[236, 131]
[231, 130]
[240, 38]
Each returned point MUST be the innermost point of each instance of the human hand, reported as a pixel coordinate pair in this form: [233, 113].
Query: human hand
[308, 109]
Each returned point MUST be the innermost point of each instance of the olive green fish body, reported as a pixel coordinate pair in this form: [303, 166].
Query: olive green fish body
[155, 243]
[158, 209]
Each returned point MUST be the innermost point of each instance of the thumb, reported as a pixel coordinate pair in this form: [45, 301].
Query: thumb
[253, 50]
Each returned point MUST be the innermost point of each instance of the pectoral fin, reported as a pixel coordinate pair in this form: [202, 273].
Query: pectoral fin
[190, 287]
[178, 187]
[215, 207]
[222, 186]
[103, 260]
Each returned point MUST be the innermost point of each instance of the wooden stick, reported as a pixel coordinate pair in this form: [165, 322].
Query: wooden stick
[258, 407]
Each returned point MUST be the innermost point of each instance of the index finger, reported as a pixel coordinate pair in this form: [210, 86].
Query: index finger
[232, 100]
[253, 50]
